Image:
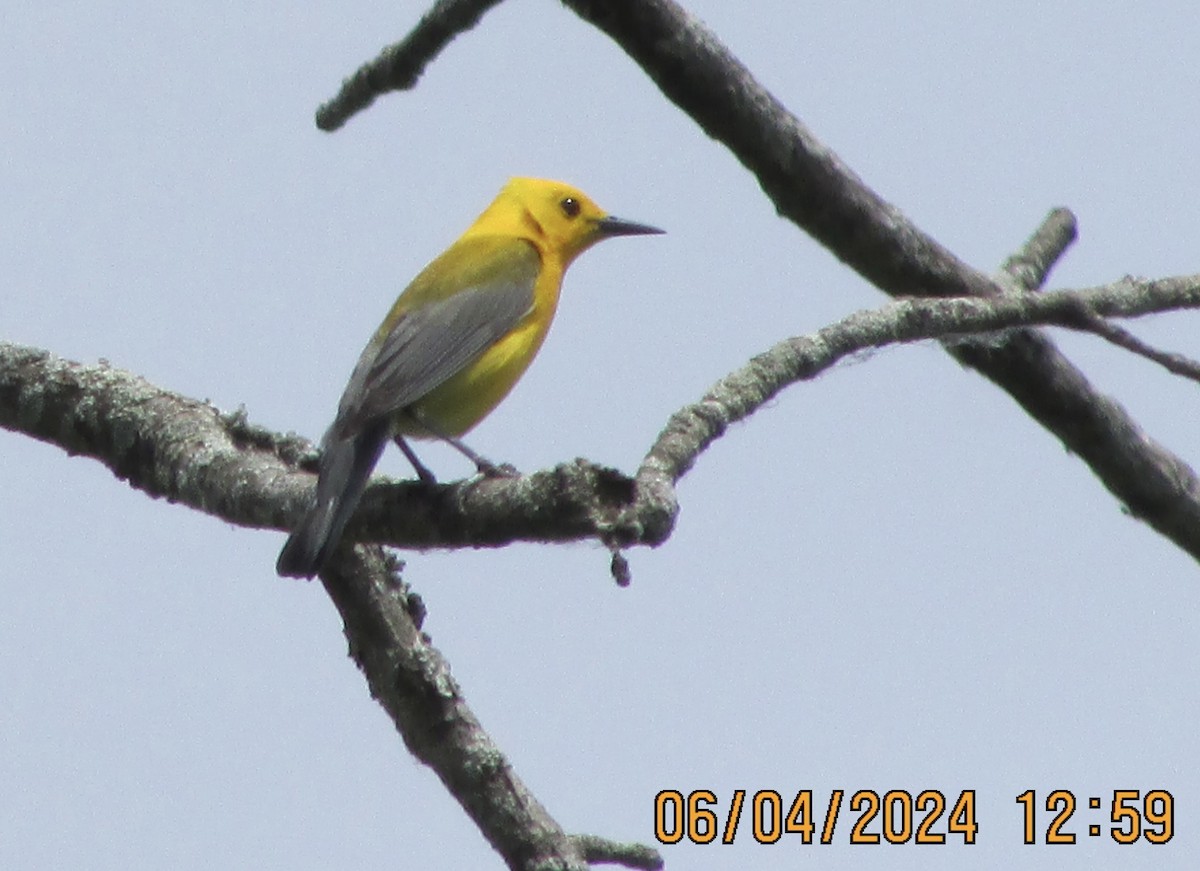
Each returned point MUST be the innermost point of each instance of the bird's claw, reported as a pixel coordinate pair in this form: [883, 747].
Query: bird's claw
[491, 470]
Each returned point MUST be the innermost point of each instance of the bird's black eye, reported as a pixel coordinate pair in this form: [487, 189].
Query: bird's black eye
[570, 206]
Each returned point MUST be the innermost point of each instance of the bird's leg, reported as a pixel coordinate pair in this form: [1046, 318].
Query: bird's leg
[423, 473]
[485, 466]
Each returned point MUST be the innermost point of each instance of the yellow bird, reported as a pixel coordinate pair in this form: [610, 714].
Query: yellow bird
[453, 345]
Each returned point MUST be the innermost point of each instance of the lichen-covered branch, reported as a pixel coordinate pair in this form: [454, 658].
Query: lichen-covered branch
[189, 452]
[960, 323]
[412, 681]
[185, 450]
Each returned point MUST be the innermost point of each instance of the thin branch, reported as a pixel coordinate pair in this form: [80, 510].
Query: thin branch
[1177, 364]
[1030, 266]
[399, 66]
[958, 322]
[807, 183]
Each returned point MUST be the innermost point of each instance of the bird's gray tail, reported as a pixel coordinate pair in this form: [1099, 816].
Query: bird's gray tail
[345, 467]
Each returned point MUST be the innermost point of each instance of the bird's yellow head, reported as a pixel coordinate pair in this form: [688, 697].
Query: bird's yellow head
[554, 216]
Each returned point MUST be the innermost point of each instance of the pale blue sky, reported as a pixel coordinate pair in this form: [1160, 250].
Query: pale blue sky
[890, 578]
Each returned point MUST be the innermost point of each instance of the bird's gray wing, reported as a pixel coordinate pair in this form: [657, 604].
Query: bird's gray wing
[431, 343]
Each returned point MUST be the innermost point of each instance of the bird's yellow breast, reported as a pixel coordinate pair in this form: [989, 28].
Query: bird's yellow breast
[466, 398]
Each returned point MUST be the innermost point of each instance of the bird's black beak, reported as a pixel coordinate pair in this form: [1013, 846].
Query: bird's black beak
[610, 226]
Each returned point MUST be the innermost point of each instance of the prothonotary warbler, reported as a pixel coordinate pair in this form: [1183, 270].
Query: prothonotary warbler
[453, 346]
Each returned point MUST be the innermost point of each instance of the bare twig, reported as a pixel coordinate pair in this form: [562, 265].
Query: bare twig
[399, 66]
[1177, 364]
[1030, 266]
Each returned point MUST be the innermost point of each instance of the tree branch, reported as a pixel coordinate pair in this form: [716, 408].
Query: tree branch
[809, 184]
[957, 322]
[1176, 364]
[411, 680]
[187, 451]
[599, 851]
[805, 180]
[399, 66]
[1030, 266]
